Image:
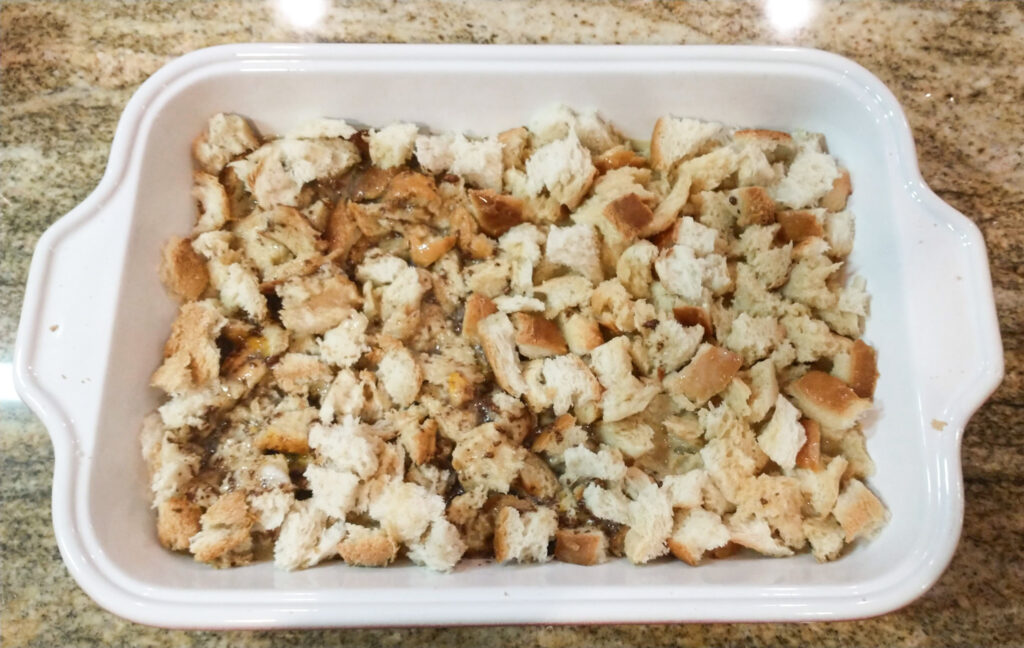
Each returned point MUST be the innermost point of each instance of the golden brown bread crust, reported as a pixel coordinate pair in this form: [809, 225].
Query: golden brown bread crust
[495, 213]
[709, 373]
[810, 454]
[230, 519]
[376, 549]
[183, 270]
[581, 546]
[618, 157]
[177, 520]
[502, 551]
[629, 215]
[756, 207]
[425, 250]
[412, 196]
[835, 199]
[342, 231]
[862, 374]
[692, 316]
[538, 337]
[798, 225]
[477, 308]
[682, 552]
[827, 399]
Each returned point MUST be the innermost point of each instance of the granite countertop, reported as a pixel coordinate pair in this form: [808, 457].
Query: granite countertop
[68, 68]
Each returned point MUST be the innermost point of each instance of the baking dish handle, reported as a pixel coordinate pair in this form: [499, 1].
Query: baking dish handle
[66, 322]
[954, 328]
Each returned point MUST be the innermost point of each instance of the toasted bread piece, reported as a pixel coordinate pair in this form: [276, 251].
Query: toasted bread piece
[495, 213]
[536, 478]
[618, 157]
[675, 139]
[365, 547]
[225, 137]
[317, 303]
[835, 199]
[183, 270]
[287, 431]
[629, 215]
[809, 456]
[225, 537]
[498, 339]
[800, 225]
[856, 366]
[783, 436]
[756, 207]
[177, 520]
[697, 532]
[859, 511]
[827, 400]
[538, 337]
[582, 334]
[486, 458]
[825, 536]
[191, 355]
[707, 374]
[584, 546]
[524, 537]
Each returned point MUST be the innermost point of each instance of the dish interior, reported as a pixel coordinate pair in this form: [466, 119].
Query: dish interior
[483, 99]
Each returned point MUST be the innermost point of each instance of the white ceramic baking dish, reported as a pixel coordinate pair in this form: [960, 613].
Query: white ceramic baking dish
[95, 317]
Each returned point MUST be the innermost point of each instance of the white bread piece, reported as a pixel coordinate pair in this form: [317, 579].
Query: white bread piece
[524, 537]
[696, 532]
[523, 244]
[305, 538]
[755, 169]
[401, 375]
[572, 383]
[349, 446]
[753, 338]
[755, 533]
[392, 145]
[737, 397]
[731, 455]
[225, 537]
[239, 289]
[171, 468]
[777, 145]
[405, 509]
[489, 278]
[612, 363]
[828, 400]
[380, 268]
[577, 248]
[317, 303]
[701, 239]
[764, 389]
[214, 208]
[612, 306]
[808, 282]
[434, 152]
[821, 487]
[286, 165]
[498, 339]
[681, 272]
[581, 463]
[859, 511]
[322, 127]
[825, 536]
[554, 122]
[556, 438]
[668, 208]
[344, 344]
[811, 338]
[606, 504]
[400, 302]
[190, 406]
[650, 519]
[581, 332]
[562, 167]
[485, 458]
[177, 520]
[441, 550]
[779, 501]
[225, 137]
[809, 178]
[212, 245]
[712, 169]
[297, 373]
[839, 232]
[686, 490]
[848, 316]
[334, 491]
[518, 304]
[271, 506]
[675, 139]
[633, 268]
[628, 398]
[632, 437]
[191, 355]
[783, 436]
[477, 161]
[345, 396]
[671, 345]
[561, 293]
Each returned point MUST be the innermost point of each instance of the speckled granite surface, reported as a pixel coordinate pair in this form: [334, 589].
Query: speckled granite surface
[69, 67]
